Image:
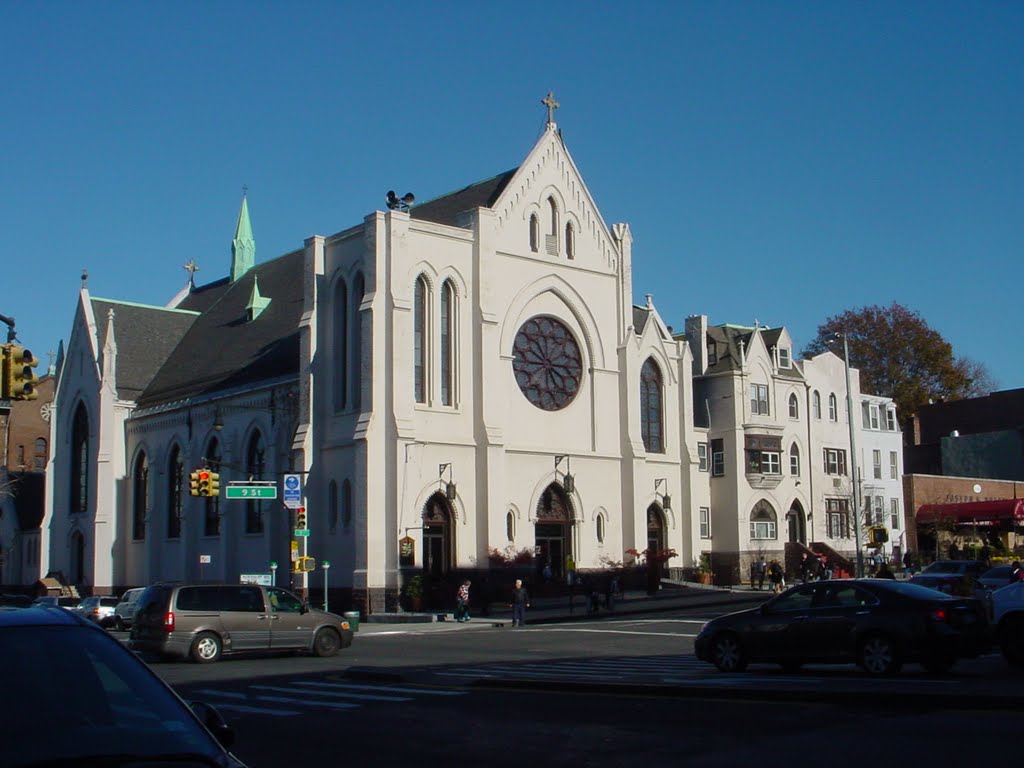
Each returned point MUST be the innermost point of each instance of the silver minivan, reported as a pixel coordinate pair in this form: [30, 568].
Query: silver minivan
[124, 611]
[204, 621]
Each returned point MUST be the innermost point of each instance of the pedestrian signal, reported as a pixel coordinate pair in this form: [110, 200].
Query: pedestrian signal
[878, 536]
[305, 564]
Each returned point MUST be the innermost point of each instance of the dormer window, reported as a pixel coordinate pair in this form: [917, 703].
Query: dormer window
[712, 353]
[784, 360]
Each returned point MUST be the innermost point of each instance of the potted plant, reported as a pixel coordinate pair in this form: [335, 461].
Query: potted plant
[413, 592]
[704, 572]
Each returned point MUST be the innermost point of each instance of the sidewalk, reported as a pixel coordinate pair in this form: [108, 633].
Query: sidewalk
[671, 597]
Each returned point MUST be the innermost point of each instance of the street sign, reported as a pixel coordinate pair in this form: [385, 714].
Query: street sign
[252, 492]
[301, 531]
[263, 579]
[205, 559]
[292, 491]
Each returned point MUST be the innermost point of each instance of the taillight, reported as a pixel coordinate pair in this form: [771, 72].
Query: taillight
[939, 614]
[169, 621]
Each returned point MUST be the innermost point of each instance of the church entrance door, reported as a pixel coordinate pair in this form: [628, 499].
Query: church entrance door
[553, 530]
[656, 534]
[437, 535]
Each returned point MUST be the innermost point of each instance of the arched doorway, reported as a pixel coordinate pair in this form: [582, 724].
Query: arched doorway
[796, 524]
[656, 534]
[77, 558]
[553, 530]
[437, 535]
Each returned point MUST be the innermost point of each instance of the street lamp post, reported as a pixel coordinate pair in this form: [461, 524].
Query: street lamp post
[325, 566]
[273, 573]
[853, 460]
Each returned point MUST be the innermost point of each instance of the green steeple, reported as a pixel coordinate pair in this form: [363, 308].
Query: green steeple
[243, 247]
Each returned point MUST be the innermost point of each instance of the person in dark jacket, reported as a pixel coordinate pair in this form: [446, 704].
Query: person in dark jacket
[883, 572]
[520, 602]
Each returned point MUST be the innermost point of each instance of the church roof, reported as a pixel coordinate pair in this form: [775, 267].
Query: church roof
[201, 298]
[445, 209]
[145, 337]
[640, 315]
[224, 350]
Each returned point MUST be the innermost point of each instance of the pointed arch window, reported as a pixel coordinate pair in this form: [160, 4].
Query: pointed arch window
[419, 323]
[175, 481]
[140, 497]
[341, 331]
[346, 504]
[332, 506]
[553, 207]
[570, 241]
[651, 423]
[534, 233]
[794, 460]
[816, 401]
[763, 522]
[40, 457]
[600, 529]
[510, 527]
[794, 406]
[255, 468]
[78, 491]
[211, 511]
[833, 410]
[447, 341]
[356, 346]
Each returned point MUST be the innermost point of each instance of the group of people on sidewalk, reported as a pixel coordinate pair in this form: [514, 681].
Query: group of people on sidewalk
[520, 602]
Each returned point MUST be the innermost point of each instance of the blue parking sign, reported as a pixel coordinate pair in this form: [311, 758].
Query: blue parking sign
[292, 491]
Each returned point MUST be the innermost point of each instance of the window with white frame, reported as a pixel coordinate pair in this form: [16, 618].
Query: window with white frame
[702, 457]
[833, 410]
[894, 514]
[705, 522]
[816, 400]
[765, 462]
[794, 406]
[762, 522]
[894, 465]
[873, 412]
[879, 510]
[718, 458]
[784, 359]
[794, 460]
[759, 399]
[890, 419]
[876, 463]
[837, 515]
[835, 461]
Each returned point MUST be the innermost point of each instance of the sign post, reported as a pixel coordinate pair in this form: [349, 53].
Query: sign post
[273, 573]
[203, 560]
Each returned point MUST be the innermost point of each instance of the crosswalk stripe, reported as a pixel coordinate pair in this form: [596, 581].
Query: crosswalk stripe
[229, 707]
[361, 696]
[388, 689]
[308, 702]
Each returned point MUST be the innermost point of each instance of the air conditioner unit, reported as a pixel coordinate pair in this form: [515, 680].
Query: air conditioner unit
[837, 482]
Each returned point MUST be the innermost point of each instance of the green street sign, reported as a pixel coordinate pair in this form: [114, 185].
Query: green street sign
[301, 531]
[252, 491]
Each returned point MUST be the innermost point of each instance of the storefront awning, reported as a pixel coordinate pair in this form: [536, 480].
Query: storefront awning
[972, 513]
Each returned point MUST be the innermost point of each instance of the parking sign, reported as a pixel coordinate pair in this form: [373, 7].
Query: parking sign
[292, 491]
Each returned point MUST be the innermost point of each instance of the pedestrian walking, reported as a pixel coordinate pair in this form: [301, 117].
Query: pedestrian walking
[610, 588]
[806, 568]
[762, 572]
[520, 602]
[462, 602]
[775, 576]
[908, 562]
[826, 567]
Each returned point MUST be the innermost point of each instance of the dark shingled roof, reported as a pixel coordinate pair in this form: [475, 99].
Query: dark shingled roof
[445, 209]
[29, 491]
[223, 350]
[145, 336]
[640, 315]
[203, 297]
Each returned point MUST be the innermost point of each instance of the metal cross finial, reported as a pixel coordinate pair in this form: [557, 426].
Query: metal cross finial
[549, 102]
[191, 267]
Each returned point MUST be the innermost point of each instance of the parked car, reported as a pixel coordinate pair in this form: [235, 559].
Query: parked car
[972, 567]
[954, 577]
[68, 603]
[1007, 608]
[878, 623]
[97, 608]
[73, 695]
[124, 611]
[203, 621]
[15, 601]
[995, 577]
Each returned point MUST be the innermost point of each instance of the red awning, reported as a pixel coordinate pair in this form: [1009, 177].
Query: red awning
[973, 512]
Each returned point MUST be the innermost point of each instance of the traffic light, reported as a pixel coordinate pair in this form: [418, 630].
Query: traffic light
[19, 378]
[213, 484]
[300, 519]
[193, 482]
[5, 372]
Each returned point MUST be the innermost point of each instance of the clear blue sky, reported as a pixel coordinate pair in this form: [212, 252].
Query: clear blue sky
[782, 161]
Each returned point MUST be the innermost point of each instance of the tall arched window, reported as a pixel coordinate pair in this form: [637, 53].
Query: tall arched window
[346, 504]
[78, 491]
[211, 513]
[40, 457]
[600, 529]
[650, 408]
[341, 332]
[419, 329]
[175, 480]
[794, 460]
[833, 410]
[534, 233]
[356, 329]
[570, 241]
[816, 400]
[255, 466]
[447, 341]
[140, 497]
[553, 206]
[510, 527]
[794, 407]
[332, 506]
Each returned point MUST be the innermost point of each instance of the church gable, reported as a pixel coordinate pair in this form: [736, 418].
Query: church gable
[546, 210]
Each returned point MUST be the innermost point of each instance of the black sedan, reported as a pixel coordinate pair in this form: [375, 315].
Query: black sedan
[877, 623]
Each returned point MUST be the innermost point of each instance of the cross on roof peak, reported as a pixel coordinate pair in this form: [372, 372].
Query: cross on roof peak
[549, 102]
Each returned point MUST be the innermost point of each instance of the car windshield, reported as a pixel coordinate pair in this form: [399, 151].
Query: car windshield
[70, 692]
[915, 591]
[944, 566]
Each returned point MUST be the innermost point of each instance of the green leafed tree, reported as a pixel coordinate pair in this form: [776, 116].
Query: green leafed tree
[900, 356]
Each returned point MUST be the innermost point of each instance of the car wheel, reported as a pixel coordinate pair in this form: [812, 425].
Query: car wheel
[727, 653]
[118, 624]
[205, 648]
[938, 664]
[1011, 642]
[791, 666]
[326, 643]
[878, 656]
